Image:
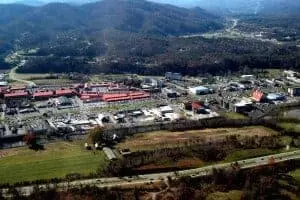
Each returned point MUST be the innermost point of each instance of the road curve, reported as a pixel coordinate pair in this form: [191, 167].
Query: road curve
[12, 75]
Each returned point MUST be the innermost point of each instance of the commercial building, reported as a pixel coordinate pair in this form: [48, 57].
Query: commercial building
[42, 95]
[16, 98]
[247, 77]
[169, 93]
[113, 97]
[63, 101]
[173, 76]
[64, 92]
[200, 90]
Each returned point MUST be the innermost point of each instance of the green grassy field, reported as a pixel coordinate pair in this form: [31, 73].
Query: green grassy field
[296, 175]
[295, 127]
[55, 161]
[59, 81]
[252, 153]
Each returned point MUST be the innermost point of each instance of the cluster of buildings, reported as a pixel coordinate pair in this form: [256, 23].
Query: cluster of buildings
[106, 92]
[177, 98]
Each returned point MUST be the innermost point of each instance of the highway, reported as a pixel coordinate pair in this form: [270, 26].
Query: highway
[159, 177]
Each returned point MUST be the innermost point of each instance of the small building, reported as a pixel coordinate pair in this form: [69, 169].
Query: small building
[63, 101]
[247, 77]
[3, 83]
[169, 93]
[200, 90]
[173, 76]
[109, 153]
[257, 95]
[236, 86]
[243, 106]
[166, 109]
[294, 92]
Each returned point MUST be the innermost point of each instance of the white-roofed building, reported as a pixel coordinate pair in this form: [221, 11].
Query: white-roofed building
[199, 90]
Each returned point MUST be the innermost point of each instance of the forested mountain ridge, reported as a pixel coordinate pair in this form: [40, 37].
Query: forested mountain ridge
[136, 36]
[129, 15]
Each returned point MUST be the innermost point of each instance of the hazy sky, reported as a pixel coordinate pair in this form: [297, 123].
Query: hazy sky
[184, 3]
[161, 1]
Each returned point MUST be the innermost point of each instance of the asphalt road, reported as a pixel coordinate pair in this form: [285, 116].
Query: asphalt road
[159, 177]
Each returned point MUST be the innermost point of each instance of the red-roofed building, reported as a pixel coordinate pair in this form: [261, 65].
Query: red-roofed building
[18, 94]
[125, 96]
[196, 106]
[257, 95]
[42, 95]
[3, 90]
[64, 92]
[87, 98]
[15, 98]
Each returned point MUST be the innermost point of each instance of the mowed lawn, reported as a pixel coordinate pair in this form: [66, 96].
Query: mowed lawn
[57, 160]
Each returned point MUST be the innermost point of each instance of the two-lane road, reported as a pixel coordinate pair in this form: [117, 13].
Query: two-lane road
[158, 177]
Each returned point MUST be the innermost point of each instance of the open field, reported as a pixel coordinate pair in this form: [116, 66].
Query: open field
[243, 154]
[294, 127]
[167, 139]
[296, 174]
[31, 76]
[59, 81]
[57, 160]
[231, 195]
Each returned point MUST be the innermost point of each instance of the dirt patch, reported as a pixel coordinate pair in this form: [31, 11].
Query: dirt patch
[153, 167]
[189, 163]
[8, 152]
